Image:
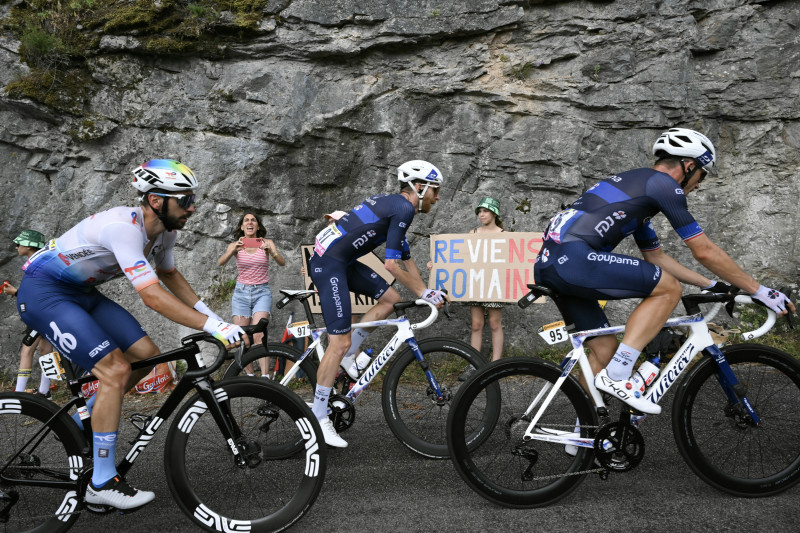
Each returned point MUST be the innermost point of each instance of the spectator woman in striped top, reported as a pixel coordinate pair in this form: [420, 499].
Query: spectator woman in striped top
[252, 297]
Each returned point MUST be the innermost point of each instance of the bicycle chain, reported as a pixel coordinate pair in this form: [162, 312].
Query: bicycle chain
[597, 470]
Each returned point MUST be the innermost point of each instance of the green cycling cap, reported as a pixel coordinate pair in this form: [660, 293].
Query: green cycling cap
[31, 238]
[491, 204]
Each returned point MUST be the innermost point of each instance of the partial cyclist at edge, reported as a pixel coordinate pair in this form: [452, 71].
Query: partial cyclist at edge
[335, 270]
[58, 298]
[577, 261]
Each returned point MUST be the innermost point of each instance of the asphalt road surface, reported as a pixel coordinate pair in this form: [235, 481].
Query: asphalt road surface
[376, 484]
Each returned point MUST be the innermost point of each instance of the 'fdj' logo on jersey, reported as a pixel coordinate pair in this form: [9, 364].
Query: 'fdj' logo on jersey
[137, 268]
[607, 223]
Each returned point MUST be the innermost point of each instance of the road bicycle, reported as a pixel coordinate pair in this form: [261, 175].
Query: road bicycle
[417, 389]
[225, 455]
[735, 416]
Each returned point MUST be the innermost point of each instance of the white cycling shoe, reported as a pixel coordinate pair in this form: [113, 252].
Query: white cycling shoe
[118, 494]
[623, 390]
[329, 433]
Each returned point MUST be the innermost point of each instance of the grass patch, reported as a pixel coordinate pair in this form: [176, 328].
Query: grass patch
[57, 37]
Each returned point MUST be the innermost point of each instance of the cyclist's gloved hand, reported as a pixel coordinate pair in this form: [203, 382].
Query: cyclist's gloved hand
[433, 296]
[203, 308]
[227, 333]
[718, 287]
[771, 298]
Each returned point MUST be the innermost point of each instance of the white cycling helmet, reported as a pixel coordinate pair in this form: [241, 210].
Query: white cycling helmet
[421, 171]
[684, 142]
[164, 174]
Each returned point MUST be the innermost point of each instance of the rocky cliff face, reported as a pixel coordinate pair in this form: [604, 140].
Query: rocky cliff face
[529, 102]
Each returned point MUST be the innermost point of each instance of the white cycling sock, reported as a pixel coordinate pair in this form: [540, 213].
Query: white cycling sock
[320, 407]
[22, 379]
[44, 385]
[621, 365]
[356, 339]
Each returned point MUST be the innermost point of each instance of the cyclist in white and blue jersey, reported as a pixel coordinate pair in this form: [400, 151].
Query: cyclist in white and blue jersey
[58, 298]
[576, 258]
[335, 270]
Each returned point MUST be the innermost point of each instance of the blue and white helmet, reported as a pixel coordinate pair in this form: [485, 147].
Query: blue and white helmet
[418, 170]
[684, 142]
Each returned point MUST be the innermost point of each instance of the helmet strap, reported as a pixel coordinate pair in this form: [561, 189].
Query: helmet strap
[688, 175]
[421, 195]
[162, 213]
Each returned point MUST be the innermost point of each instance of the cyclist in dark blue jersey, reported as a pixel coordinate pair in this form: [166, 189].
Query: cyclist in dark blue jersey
[336, 272]
[576, 258]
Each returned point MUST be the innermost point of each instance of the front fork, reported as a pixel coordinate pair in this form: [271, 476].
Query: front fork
[739, 405]
[436, 389]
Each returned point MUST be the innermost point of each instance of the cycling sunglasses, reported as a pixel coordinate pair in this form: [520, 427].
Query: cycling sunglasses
[185, 201]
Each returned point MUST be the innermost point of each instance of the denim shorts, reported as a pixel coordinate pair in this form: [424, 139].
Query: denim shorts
[250, 299]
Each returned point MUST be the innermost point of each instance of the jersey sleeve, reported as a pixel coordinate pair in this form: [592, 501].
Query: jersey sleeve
[646, 237]
[396, 243]
[672, 202]
[126, 243]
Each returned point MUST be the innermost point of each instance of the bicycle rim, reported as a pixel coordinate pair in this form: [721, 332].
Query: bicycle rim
[268, 494]
[502, 467]
[416, 416]
[54, 457]
[726, 451]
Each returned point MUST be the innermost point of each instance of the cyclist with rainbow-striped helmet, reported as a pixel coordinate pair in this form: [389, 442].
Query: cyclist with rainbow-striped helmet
[59, 299]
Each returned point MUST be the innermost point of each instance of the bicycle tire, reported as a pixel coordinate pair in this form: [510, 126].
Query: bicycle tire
[269, 494]
[56, 456]
[502, 467]
[413, 413]
[738, 458]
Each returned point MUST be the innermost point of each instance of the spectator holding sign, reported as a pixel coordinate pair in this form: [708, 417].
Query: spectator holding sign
[252, 297]
[488, 212]
[28, 243]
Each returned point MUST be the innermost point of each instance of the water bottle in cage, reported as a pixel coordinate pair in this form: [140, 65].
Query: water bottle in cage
[360, 363]
[645, 374]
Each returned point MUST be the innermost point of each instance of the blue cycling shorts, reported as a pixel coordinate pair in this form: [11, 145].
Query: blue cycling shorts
[82, 325]
[334, 280]
[582, 275]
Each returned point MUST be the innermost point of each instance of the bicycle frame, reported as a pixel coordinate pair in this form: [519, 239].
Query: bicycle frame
[197, 377]
[699, 340]
[404, 334]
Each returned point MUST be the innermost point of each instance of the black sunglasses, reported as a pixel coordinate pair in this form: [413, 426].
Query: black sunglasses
[185, 201]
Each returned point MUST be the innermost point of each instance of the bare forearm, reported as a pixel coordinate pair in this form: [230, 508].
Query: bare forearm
[681, 273]
[166, 304]
[178, 286]
[720, 263]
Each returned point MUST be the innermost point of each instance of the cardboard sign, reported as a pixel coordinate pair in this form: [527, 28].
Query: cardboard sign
[488, 267]
[360, 304]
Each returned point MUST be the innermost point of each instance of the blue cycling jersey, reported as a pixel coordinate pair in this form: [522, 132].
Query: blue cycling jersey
[576, 258]
[377, 220]
[623, 205]
[334, 267]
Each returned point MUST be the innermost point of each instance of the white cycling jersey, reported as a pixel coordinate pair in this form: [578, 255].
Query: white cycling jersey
[104, 246]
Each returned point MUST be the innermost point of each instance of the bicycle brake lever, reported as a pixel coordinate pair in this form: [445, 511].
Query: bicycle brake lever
[788, 293]
[447, 310]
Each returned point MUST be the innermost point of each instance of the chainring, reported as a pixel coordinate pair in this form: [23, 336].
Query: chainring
[343, 412]
[618, 447]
